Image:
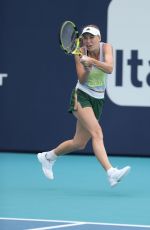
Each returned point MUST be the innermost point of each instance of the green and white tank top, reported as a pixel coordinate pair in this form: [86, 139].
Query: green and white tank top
[96, 80]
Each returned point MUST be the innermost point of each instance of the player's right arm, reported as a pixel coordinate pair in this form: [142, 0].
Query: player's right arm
[81, 69]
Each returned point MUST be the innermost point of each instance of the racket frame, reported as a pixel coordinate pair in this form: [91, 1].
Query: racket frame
[76, 51]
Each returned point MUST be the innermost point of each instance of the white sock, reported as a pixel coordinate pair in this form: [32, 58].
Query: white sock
[109, 171]
[50, 155]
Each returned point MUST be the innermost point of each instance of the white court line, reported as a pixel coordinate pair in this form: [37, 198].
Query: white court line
[54, 227]
[42, 220]
[119, 225]
[78, 222]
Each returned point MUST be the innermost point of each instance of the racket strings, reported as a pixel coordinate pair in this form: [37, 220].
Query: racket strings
[69, 36]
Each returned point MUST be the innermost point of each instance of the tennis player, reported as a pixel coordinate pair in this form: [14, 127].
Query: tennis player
[87, 102]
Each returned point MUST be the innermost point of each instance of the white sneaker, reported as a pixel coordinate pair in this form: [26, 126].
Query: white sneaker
[47, 165]
[116, 175]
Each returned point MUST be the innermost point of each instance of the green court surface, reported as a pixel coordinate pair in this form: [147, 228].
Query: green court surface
[79, 192]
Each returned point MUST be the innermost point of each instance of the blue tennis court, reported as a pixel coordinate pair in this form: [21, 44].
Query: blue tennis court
[78, 198]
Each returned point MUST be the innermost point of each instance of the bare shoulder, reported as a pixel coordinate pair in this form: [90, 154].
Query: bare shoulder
[107, 47]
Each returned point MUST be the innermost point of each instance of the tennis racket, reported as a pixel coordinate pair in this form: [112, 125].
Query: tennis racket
[69, 38]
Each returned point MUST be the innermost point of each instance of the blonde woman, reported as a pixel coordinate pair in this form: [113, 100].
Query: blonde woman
[86, 105]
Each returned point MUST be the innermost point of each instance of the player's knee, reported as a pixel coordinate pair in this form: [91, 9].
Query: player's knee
[80, 145]
[97, 134]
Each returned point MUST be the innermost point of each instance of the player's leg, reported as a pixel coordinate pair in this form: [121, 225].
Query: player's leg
[47, 159]
[78, 142]
[90, 123]
[88, 120]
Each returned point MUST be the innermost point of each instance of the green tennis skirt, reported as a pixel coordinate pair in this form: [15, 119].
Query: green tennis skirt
[86, 100]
